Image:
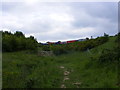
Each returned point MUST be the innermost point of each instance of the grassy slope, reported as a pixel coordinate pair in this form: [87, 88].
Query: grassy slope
[86, 71]
[28, 70]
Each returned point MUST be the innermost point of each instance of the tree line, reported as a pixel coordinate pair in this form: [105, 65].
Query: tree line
[17, 41]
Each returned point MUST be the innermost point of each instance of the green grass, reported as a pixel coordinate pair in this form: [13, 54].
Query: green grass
[0, 70]
[22, 70]
[28, 71]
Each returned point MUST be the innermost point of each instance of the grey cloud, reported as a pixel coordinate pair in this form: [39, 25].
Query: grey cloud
[60, 21]
[98, 9]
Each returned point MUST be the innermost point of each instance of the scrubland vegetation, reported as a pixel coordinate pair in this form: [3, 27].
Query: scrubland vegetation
[17, 42]
[93, 63]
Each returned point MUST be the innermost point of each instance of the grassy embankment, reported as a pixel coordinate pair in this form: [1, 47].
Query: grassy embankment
[22, 70]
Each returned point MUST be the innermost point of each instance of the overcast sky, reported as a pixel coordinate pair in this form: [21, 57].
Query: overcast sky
[50, 21]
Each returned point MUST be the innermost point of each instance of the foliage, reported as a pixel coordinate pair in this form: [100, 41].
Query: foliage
[108, 56]
[19, 34]
[29, 71]
[59, 49]
[45, 48]
[76, 46]
[17, 41]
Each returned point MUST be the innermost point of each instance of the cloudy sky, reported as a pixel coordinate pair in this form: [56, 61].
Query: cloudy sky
[53, 21]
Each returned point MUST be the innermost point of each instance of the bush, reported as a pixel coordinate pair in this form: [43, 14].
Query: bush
[58, 49]
[17, 41]
[46, 48]
[108, 56]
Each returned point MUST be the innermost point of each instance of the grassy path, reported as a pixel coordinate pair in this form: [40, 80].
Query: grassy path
[66, 77]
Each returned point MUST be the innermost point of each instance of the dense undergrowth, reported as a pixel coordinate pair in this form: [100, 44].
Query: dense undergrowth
[17, 42]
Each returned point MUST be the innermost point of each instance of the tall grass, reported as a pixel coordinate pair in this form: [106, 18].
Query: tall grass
[21, 70]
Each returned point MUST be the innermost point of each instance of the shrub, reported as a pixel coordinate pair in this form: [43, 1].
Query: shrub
[59, 49]
[17, 41]
[46, 48]
[108, 56]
